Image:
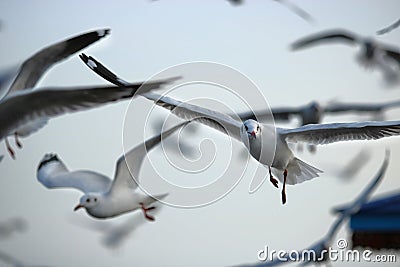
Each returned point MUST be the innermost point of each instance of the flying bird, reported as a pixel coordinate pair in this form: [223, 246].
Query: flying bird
[33, 68]
[266, 143]
[318, 252]
[389, 28]
[103, 197]
[373, 54]
[313, 112]
[10, 226]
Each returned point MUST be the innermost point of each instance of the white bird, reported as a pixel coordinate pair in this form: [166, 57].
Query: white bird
[389, 28]
[318, 252]
[103, 197]
[41, 105]
[266, 143]
[313, 112]
[373, 54]
[33, 68]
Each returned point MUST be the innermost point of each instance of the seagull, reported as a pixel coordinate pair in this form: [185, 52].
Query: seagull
[321, 247]
[42, 104]
[266, 143]
[389, 28]
[292, 7]
[313, 112]
[33, 68]
[105, 198]
[372, 54]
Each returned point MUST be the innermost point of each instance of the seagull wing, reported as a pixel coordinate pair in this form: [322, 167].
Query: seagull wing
[325, 36]
[389, 28]
[32, 105]
[34, 67]
[128, 165]
[319, 134]
[52, 173]
[214, 119]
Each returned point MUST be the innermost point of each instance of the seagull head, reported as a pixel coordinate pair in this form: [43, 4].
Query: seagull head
[252, 128]
[88, 201]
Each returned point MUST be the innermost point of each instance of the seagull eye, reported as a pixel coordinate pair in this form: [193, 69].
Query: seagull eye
[95, 199]
[258, 127]
[88, 200]
[246, 127]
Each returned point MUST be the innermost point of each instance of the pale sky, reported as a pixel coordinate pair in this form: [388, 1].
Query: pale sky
[148, 37]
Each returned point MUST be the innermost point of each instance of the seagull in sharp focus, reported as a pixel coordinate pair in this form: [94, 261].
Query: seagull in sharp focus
[266, 143]
[313, 112]
[373, 54]
[103, 197]
[33, 68]
[319, 250]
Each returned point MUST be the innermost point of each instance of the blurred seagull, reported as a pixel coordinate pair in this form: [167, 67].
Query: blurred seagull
[313, 112]
[40, 105]
[289, 5]
[373, 54]
[389, 28]
[103, 197]
[33, 68]
[267, 143]
[319, 250]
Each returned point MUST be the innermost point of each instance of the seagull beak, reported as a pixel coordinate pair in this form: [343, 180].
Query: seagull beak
[78, 207]
[253, 133]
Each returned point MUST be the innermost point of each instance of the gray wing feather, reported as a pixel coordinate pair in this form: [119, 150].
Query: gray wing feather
[319, 134]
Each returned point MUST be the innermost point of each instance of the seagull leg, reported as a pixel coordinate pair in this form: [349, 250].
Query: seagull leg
[145, 210]
[284, 187]
[9, 148]
[17, 142]
[272, 179]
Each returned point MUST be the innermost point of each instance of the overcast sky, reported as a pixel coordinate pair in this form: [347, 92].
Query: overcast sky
[148, 37]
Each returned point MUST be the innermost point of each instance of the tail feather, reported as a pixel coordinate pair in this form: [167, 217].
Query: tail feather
[298, 172]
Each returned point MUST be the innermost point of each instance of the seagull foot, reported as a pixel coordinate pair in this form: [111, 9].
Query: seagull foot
[284, 187]
[272, 179]
[145, 210]
[17, 142]
[9, 149]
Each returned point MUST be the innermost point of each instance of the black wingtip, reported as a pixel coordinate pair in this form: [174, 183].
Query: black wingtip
[47, 159]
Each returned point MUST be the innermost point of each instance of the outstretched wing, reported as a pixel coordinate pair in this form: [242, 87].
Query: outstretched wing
[324, 37]
[214, 119]
[319, 134]
[389, 28]
[52, 173]
[31, 105]
[34, 67]
[128, 165]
